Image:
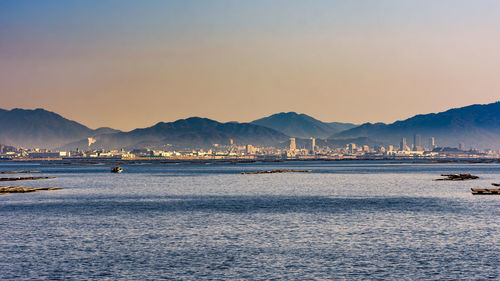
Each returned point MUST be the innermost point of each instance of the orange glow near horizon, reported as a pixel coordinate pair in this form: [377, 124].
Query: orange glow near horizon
[347, 64]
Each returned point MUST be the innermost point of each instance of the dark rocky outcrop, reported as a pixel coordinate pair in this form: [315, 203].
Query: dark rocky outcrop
[25, 178]
[457, 177]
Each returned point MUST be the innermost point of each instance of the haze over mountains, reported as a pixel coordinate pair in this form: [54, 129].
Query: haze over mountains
[191, 133]
[476, 125]
[41, 128]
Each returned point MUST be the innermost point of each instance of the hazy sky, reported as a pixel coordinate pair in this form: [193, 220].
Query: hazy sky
[129, 64]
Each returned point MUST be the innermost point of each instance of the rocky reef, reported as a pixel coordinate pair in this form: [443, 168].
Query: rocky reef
[457, 177]
[20, 189]
[25, 178]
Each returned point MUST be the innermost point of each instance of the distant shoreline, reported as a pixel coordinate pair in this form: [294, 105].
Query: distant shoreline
[114, 161]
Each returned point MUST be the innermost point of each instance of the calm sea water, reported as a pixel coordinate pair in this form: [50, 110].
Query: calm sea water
[345, 220]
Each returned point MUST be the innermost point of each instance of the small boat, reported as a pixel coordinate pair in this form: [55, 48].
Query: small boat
[116, 169]
[485, 191]
[495, 184]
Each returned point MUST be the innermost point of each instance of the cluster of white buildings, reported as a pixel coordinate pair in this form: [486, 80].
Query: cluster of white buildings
[232, 151]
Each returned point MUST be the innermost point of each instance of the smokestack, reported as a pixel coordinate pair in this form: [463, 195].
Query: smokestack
[91, 141]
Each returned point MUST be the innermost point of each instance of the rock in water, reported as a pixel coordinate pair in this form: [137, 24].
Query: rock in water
[457, 177]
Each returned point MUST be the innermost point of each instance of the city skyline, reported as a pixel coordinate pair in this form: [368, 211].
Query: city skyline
[128, 64]
[472, 126]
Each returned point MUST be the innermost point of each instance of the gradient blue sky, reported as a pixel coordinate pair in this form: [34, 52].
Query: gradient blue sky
[130, 64]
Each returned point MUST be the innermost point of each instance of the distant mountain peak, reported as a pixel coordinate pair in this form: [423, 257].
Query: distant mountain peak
[301, 125]
[39, 128]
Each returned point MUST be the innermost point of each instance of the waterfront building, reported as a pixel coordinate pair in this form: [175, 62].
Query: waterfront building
[56, 154]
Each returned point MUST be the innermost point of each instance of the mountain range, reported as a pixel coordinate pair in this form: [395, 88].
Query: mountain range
[190, 133]
[475, 126]
[42, 128]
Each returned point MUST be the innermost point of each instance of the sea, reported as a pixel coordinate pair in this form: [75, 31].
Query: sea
[344, 220]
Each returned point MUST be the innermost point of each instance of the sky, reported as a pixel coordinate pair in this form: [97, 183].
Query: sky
[128, 64]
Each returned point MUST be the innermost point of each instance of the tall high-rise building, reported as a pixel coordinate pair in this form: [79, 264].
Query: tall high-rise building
[402, 145]
[313, 145]
[432, 143]
[292, 144]
[416, 141]
[250, 149]
[351, 147]
[461, 146]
